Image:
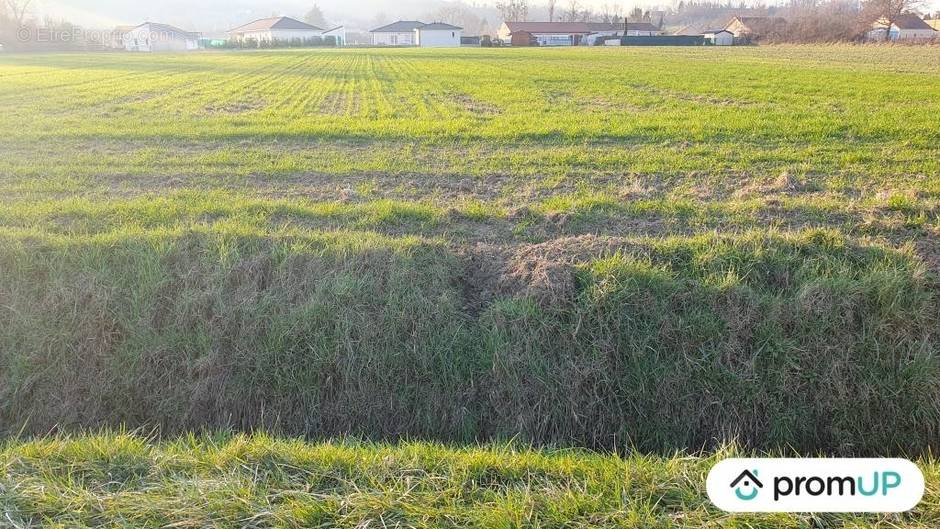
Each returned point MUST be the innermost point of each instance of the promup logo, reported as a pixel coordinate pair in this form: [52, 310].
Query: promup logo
[815, 485]
[747, 480]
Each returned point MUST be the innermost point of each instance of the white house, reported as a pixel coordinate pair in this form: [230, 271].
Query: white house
[718, 37]
[151, 36]
[401, 33]
[438, 35]
[906, 27]
[555, 33]
[276, 29]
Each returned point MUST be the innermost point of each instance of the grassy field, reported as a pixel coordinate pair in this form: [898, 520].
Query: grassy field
[118, 480]
[661, 249]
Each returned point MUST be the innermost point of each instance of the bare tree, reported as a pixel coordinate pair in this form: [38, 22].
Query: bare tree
[458, 15]
[552, 4]
[610, 13]
[513, 10]
[573, 13]
[16, 10]
[828, 21]
[887, 12]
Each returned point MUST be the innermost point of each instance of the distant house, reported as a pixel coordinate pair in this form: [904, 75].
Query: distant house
[555, 33]
[718, 37]
[276, 29]
[417, 33]
[151, 36]
[756, 29]
[401, 33]
[438, 35]
[906, 27]
[642, 29]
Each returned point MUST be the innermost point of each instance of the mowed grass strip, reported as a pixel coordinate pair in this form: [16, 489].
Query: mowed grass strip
[223, 480]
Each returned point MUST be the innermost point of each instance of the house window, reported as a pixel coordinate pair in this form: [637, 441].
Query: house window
[453, 34]
[394, 39]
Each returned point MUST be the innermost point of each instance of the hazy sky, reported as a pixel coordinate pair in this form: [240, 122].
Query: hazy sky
[232, 12]
[223, 14]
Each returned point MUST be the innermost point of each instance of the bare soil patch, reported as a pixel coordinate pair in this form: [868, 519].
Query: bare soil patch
[340, 104]
[474, 106]
[544, 272]
[236, 107]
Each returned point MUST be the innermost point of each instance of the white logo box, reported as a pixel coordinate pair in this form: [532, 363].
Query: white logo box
[815, 485]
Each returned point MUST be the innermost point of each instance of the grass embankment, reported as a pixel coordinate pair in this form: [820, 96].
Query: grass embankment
[804, 339]
[223, 481]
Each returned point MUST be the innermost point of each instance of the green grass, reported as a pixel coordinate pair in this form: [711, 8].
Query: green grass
[836, 112]
[805, 340]
[607, 248]
[120, 480]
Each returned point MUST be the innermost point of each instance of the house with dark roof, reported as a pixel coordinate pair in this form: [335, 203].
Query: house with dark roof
[718, 37]
[906, 27]
[401, 33]
[756, 29]
[276, 29]
[438, 35]
[417, 33]
[153, 36]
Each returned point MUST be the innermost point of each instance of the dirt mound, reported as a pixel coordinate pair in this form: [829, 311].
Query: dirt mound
[544, 272]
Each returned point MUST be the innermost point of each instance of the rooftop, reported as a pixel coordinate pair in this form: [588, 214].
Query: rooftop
[641, 26]
[274, 23]
[910, 21]
[156, 27]
[439, 25]
[562, 27]
[402, 26]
